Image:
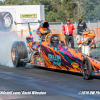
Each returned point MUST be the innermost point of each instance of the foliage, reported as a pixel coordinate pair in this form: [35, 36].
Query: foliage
[1, 3]
[61, 16]
[51, 16]
[91, 10]
[59, 10]
[70, 8]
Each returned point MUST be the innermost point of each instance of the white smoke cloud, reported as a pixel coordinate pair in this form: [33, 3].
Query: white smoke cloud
[6, 41]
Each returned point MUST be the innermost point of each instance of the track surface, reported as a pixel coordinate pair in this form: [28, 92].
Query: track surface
[58, 85]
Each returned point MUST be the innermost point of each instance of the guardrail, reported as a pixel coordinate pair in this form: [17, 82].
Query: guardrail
[24, 33]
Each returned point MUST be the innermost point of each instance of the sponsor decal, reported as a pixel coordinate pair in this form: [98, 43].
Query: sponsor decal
[28, 15]
[56, 59]
[75, 65]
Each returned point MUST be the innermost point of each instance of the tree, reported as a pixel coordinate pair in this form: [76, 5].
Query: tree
[70, 7]
[16, 2]
[51, 6]
[1, 3]
[61, 16]
[91, 10]
[51, 16]
[55, 10]
[55, 5]
[10, 2]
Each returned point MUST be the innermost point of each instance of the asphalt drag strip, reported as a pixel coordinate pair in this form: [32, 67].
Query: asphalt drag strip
[54, 84]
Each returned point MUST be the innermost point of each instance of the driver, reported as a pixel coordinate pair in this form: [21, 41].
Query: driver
[54, 40]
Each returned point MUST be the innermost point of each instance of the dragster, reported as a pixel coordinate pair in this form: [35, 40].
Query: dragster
[52, 52]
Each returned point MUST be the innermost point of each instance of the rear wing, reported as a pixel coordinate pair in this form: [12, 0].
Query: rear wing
[28, 27]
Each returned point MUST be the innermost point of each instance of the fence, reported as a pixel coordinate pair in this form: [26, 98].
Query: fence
[56, 27]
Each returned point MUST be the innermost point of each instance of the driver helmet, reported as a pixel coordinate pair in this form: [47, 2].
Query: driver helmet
[44, 24]
[54, 40]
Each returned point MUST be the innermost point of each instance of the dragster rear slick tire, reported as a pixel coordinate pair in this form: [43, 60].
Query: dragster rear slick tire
[86, 69]
[18, 52]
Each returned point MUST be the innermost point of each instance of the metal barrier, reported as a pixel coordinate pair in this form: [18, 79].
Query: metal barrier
[57, 31]
[25, 33]
[96, 30]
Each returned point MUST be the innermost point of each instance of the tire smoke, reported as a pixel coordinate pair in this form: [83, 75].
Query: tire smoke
[6, 41]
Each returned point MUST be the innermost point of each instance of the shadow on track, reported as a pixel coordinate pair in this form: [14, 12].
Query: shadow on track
[62, 71]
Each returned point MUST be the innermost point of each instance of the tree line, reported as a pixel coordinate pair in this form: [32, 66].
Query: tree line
[59, 10]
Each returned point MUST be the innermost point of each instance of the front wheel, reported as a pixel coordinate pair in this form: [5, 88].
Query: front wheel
[86, 68]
